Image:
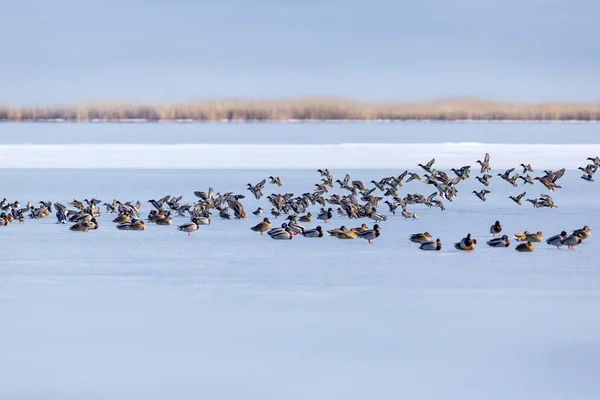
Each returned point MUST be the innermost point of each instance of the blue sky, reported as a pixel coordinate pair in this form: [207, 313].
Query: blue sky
[67, 51]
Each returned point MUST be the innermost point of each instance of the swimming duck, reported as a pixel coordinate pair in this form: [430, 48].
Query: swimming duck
[526, 247]
[557, 240]
[503, 241]
[535, 237]
[286, 234]
[431, 246]
[313, 233]
[133, 225]
[572, 241]
[262, 227]
[370, 234]
[496, 228]
[466, 244]
[306, 218]
[420, 237]
[584, 232]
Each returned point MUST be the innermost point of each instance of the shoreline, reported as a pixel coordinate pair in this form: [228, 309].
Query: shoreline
[307, 121]
[307, 110]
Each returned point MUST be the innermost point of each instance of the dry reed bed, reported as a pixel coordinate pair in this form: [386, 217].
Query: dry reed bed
[316, 109]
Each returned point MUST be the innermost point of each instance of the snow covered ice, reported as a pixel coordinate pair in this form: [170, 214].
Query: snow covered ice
[229, 314]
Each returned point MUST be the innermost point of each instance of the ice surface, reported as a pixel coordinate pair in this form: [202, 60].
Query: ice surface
[229, 314]
[301, 133]
[348, 155]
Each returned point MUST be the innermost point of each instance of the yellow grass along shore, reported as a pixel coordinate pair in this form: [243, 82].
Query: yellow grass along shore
[318, 109]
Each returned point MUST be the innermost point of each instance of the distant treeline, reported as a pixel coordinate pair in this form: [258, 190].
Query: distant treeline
[316, 109]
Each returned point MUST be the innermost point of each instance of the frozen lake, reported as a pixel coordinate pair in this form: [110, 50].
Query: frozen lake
[227, 313]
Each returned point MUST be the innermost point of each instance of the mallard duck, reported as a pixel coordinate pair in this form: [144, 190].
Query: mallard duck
[572, 241]
[3, 219]
[189, 226]
[359, 229]
[466, 244]
[481, 194]
[535, 237]
[276, 230]
[262, 226]
[286, 234]
[420, 237]
[431, 246]
[409, 215]
[305, 218]
[527, 179]
[325, 215]
[347, 235]
[584, 232]
[294, 226]
[376, 216]
[133, 225]
[557, 240]
[503, 241]
[526, 247]
[484, 180]
[521, 237]
[518, 198]
[164, 221]
[427, 167]
[485, 165]
[334, 232]
[370, 234]
[527, 168]
[121, 219]
[496, 228]
[313, 233]
[85, 225]
[203, 220]
[275, 181]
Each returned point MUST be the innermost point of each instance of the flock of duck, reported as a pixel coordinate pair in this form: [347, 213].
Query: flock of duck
[469, 244]
[359, 202]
